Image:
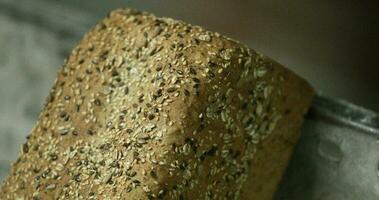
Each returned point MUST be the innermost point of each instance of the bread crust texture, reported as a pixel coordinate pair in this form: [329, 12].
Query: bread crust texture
[155, 108]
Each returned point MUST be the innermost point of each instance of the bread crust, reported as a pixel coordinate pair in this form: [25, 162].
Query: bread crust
[154, 108]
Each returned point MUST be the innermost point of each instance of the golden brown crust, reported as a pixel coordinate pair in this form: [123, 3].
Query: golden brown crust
[153, 108]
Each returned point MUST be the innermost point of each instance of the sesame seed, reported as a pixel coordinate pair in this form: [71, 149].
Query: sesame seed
[97, 102]
[171, 89]
[126, 90]
[187, 93]
[89, 132]
[51, 187]
[25, 148]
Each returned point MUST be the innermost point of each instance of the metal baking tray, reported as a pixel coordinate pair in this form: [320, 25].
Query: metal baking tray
[337, 155]
[336, 158]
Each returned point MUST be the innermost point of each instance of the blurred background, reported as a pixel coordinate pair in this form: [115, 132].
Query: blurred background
[332, 44]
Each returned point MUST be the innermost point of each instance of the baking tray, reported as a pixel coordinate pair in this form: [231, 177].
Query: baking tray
[337, 155]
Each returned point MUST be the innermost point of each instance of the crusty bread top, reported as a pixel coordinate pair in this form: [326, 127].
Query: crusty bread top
[150, 108]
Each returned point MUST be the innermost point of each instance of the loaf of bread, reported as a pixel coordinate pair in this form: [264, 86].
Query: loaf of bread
[154, 108]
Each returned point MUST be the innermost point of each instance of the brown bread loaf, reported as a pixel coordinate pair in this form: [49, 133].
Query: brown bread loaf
[154, 108]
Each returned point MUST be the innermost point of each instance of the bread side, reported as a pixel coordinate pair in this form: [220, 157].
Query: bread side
[274, 152]
[153, 108]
